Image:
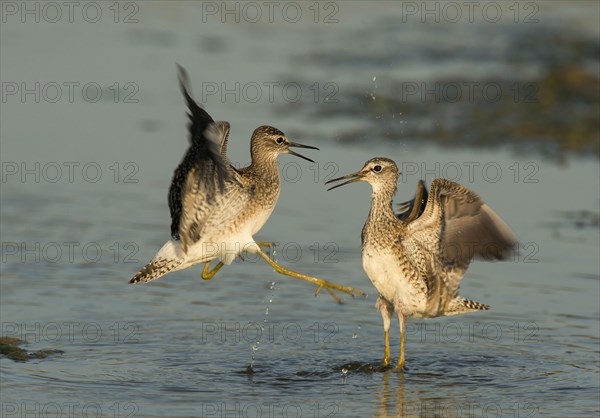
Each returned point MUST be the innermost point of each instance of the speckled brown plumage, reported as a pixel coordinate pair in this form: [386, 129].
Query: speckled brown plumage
[417, 258]
[211, 202]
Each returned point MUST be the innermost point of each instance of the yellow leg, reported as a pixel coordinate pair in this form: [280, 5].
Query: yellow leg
[323, 284]
[207, 275]
[402, 319]
[386, 355]
[270, 246]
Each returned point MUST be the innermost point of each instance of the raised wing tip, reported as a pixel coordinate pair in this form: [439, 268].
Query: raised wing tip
[184, 80]
[181, 73]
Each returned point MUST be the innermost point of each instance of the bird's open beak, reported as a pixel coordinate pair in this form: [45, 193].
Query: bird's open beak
[294, 144]
[354, 177]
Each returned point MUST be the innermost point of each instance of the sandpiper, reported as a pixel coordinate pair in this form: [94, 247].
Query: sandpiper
[416, 258]
[216, 208]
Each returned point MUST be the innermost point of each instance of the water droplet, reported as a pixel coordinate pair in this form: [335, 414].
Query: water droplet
[256, 345]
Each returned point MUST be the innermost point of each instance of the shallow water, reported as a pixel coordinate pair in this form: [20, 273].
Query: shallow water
[181, 346]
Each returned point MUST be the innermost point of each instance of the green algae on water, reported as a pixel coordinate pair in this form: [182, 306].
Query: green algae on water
[9, 348]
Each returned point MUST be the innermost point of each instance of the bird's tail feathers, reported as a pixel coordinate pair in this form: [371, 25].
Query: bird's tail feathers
[168, 258]
[460, 305]
[155, 269]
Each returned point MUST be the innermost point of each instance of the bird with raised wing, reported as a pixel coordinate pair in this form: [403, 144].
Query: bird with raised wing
[215, 208]
[417, 257]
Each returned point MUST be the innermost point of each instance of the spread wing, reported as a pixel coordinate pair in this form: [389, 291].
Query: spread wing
[203, 170]
[412, 209]
[455, 227]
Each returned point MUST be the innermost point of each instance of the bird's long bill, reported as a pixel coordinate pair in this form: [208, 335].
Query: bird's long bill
[354, 177]
[294, 144]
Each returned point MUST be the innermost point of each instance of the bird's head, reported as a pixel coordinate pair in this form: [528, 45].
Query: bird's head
[268, 142]
[379, 172]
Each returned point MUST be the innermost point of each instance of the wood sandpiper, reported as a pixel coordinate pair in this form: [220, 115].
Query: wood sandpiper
[416, 258]
[216, 208]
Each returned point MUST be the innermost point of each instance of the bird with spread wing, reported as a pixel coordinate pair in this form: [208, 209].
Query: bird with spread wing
[215, 208]
[417, 257]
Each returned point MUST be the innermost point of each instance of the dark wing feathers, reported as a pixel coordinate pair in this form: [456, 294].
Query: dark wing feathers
[204, 163]
[199, 118]
[412, 209]
[467, 227]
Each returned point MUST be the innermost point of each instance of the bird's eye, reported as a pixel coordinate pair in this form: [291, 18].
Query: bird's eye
[377, 168]
[279, 140]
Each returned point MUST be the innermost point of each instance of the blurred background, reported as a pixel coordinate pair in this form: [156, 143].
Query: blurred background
[502, 97]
